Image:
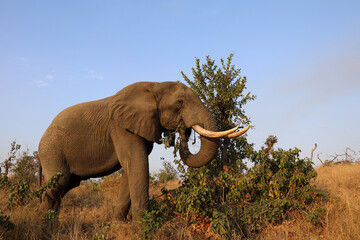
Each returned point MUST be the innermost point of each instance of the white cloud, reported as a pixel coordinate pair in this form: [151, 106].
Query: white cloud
[24, 61]
[40, 83]
[93, 75]
[45, 81]
[49, 77]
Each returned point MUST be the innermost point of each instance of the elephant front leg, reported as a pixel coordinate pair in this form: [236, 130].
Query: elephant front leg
[132, 153]
[139, 188]
[123, 206]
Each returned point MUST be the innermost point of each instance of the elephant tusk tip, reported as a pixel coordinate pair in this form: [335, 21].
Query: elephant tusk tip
[239, 133]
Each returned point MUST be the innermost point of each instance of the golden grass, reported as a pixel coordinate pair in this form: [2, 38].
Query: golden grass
[342, 220]
[86, 213]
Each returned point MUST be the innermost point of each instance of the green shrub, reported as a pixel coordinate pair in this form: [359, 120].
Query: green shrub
[5, 222]
[152, 218]
[4, 181]
[21, 193]
[50, 214]
[165, 174]
[236, 199]
[240, 201]
[316, 217]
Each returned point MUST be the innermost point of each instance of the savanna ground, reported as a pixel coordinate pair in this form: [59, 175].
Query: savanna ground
[86, 213]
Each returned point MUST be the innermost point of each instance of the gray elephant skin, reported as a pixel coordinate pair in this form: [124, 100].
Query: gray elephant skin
[97, 138]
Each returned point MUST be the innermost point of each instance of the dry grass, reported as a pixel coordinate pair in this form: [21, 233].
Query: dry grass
[343, 209]
[343, 218]
[86, 213]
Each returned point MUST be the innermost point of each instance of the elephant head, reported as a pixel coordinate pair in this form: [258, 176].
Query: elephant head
[148, 109]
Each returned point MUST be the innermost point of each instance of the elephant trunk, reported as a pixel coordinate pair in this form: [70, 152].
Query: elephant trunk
[208, 149]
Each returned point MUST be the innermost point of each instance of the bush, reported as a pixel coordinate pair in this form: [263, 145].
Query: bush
[4, 181]
[244, 203]
[19, 167]
[167, 173]
[25, 168]
[21, 193]
[153, 217]
[5, 222]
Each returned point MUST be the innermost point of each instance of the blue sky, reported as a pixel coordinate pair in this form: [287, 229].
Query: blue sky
[301, 59]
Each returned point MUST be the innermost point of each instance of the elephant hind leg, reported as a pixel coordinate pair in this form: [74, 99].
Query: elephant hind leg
[53, 161]
[51, 198]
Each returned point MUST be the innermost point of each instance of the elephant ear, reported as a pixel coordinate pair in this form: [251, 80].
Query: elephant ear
[134, 108]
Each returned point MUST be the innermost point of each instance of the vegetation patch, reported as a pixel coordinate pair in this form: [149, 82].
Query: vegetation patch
[237, 203]
[227, 198]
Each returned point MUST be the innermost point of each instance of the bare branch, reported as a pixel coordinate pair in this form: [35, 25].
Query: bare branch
[312, 152]
[318, 156]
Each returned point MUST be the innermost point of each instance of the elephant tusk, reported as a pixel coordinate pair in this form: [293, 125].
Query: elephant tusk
[234, 135]
[211, 134]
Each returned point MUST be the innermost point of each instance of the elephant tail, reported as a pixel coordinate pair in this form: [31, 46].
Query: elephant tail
[39, 172]
[40, 175]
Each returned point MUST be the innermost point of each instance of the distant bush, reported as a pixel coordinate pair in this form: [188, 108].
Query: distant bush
[20, 167]
[165, 174]
[22, 170]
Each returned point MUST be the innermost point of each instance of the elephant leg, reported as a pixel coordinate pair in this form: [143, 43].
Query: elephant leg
[123, 207]
[51, 198]
[53, 163]
[138, 178]
[132, 154]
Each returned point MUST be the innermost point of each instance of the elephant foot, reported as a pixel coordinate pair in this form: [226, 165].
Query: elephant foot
[122, 212]
[123, 218]
[50, 200]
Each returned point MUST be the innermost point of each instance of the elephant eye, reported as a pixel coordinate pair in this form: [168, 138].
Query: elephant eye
[180, 101]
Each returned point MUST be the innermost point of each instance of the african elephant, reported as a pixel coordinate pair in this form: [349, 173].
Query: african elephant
[96, 138]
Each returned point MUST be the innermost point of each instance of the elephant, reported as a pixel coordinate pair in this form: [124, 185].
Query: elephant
[97, 138]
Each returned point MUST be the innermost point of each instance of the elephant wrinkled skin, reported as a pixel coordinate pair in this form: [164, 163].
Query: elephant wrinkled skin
[96, 138]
